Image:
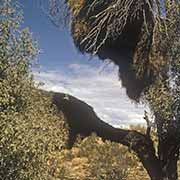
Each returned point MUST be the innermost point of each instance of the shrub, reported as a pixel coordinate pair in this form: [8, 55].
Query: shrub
[92, 159]
[29, 128]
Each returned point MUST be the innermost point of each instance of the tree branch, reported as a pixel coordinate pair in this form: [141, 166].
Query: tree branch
[82, 120]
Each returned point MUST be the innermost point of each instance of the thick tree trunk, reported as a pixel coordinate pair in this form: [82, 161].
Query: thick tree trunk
[140, 144]
[161, 167]
[171, 169]
[168, 146]
[168, 152]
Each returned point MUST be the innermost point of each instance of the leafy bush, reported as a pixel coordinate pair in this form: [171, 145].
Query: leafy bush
[29, 128]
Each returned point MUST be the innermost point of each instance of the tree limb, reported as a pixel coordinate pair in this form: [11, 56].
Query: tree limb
[82, 120]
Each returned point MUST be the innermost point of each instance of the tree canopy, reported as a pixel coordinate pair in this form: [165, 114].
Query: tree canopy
[29, 127]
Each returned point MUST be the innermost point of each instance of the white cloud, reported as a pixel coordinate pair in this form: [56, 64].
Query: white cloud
[97, 86]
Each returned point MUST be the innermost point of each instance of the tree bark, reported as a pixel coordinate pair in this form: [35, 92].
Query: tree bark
[141, 144]
[168, 152]
[161, 167]
[168, 146]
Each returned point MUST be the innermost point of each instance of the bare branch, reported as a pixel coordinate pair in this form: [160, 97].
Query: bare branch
[149, 124]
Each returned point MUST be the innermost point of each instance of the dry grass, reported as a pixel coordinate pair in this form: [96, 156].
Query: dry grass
[139, 173]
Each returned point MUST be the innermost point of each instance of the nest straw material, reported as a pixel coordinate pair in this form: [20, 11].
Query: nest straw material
[126, 32]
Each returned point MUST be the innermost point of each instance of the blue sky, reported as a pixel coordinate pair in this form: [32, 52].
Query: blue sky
[64, 69]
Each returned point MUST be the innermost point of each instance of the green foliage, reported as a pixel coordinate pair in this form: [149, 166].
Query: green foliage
[163, 95]
[27, 139]
[175, 69]
[29, 128]
[92, 159]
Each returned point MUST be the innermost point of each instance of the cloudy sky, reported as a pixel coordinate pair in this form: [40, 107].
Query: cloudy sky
[64, 69]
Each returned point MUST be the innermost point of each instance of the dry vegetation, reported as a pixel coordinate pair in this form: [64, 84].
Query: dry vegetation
[97, 160]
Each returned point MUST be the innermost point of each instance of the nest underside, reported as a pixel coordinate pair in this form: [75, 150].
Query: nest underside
[114, 30]
[122, 31]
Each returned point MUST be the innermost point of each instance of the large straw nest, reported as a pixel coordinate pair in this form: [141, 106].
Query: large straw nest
[127, 33]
